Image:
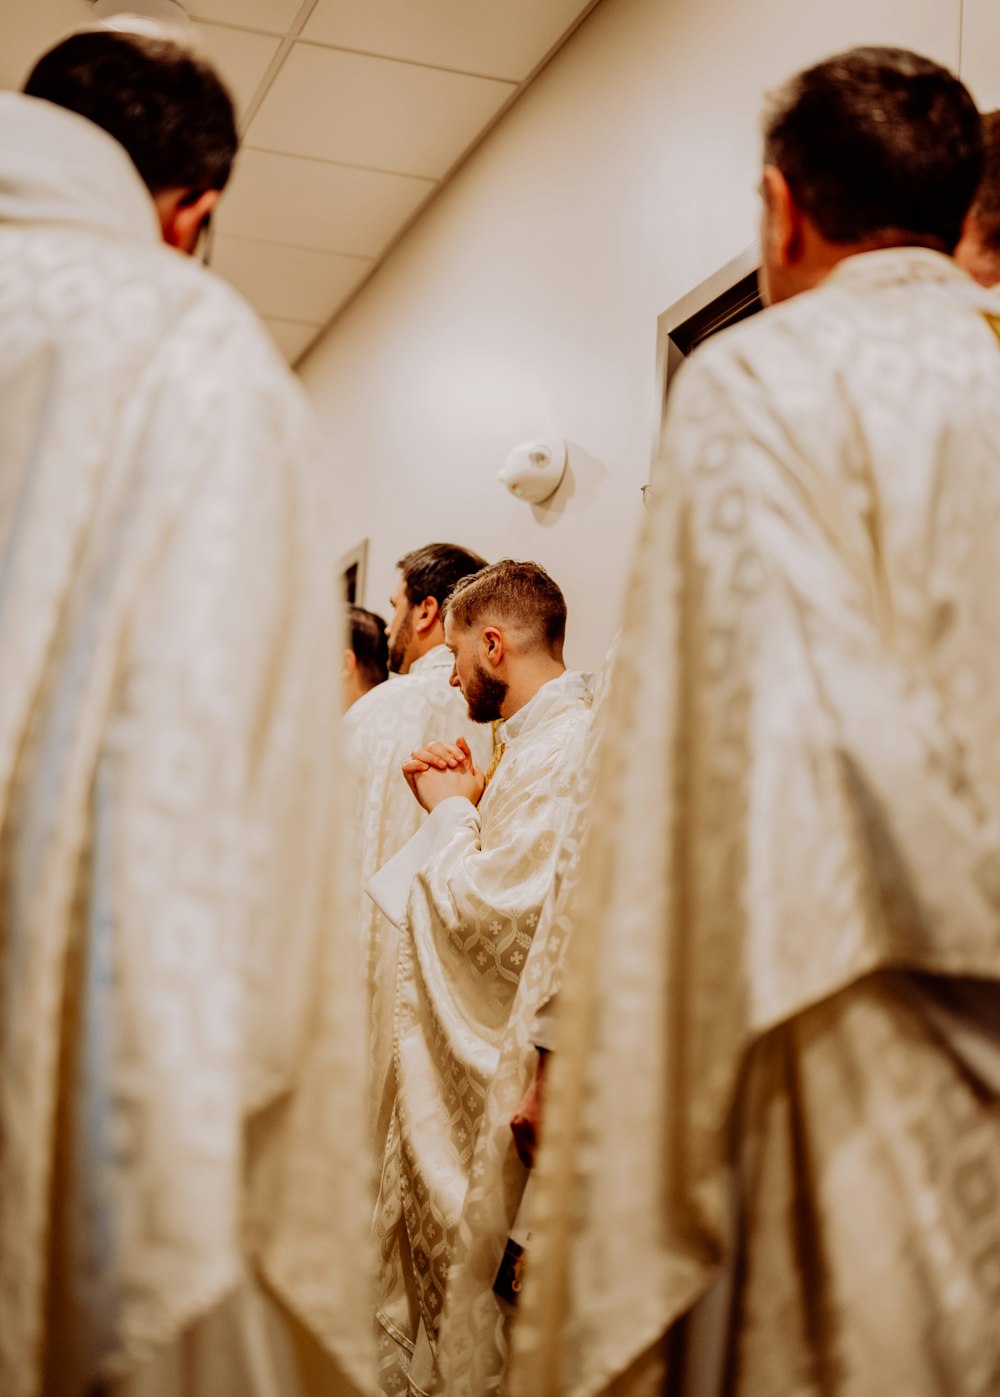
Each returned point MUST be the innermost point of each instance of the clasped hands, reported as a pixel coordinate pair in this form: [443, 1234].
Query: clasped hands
[438, 771]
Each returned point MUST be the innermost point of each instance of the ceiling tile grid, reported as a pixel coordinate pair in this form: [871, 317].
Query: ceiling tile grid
[353, 112]
[270, 16]
[309, 203]
[288, 283]
[242, 57]
[492, 38]
[375, 112]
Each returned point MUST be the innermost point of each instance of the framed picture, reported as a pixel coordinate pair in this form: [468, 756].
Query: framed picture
[352, 569]
[728, 296]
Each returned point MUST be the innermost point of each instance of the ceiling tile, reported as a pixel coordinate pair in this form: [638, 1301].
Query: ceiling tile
[273, 16]
[292, 338]
[242, 59]
[288, 283]
[477, 36]
[306, 203]
[374, 111]
[29, 29]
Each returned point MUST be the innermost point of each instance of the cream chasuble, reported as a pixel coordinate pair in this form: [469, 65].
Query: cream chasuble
[382, 729]
[467, 894]
[475, 1324]
[795, 843]
[173, 973]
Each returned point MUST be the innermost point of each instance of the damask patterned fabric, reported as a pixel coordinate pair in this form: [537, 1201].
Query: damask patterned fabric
[797, 811]
[466, 938]
[170, 957]
[382, 729]
[475, 1325]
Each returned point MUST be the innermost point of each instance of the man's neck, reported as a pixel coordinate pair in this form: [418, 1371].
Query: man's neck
[824, 257]
[424, 644]
[522, 690]
[355, 690]
[982, 263]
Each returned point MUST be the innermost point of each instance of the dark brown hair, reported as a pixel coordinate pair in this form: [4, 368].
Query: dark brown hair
[432, 571]
[164, 104]
[369, 644]
[522, 595]
[878, 143]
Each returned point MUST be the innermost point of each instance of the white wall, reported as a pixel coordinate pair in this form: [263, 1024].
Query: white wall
[526, 300]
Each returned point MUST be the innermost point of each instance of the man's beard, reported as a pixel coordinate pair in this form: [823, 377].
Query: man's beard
[399, 646]
[485, 695]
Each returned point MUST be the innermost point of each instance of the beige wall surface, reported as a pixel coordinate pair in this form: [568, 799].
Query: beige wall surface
[525, 302]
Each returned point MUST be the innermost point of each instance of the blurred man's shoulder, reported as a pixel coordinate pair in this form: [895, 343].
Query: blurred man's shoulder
[398, 694]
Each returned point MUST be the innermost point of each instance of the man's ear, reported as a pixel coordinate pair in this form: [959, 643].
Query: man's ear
[350, 663]
[183, 214]
[784, 226]
[493, 645]
[428, 614]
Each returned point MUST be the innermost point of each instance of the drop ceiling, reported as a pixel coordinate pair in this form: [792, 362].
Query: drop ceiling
[354, 113]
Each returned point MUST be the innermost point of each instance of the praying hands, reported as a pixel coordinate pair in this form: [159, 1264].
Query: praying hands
[439, 771]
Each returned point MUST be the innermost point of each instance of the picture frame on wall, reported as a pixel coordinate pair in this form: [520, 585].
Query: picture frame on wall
[728, 296]
[352, 569]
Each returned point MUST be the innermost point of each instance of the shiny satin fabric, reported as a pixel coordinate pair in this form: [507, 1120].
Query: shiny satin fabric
[381, 731]
[475, 1324]
[797, 800]
[465, 944]
[168, 823]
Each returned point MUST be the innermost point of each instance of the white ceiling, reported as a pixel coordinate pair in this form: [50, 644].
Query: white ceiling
[354, 113]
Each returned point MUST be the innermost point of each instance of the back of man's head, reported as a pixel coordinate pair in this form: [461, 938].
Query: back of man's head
[432, 571]
[878, 146]
[521, 598]
[166, 106]
[369, 646]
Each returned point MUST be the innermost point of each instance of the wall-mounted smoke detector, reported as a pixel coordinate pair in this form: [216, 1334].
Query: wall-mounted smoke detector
[533, 471]
[156, 18]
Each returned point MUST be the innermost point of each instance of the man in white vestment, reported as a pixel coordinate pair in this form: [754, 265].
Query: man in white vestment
[481, 1299]
[178, 995]
[366, 659]
[382, 730]
[466, 894]
[770, 1155]
[978, 250]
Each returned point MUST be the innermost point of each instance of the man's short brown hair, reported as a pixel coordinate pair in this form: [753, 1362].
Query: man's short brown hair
[878, 143]
[986, 205]
[432, 571]
[166, 105]
[519, 595]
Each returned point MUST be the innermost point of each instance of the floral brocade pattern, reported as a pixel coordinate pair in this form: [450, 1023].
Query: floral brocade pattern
[167, 827]
[470, 926]
[475, 1326]
[382, 729]
[799, 790]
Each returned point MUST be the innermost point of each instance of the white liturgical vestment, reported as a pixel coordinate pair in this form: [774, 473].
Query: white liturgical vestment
[383, 728]
[173, 973]
[467, 893]
[476, 1323]
[774, 1061]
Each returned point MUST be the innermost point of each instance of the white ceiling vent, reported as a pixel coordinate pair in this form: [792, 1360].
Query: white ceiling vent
[152, 17]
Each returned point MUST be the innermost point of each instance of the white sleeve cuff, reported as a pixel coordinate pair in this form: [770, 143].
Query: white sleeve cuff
[389, 889]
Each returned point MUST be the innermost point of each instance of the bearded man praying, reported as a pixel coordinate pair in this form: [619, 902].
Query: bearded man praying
[466, 893]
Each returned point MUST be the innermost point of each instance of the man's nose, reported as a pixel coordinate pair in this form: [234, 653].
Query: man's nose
[454, 681]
